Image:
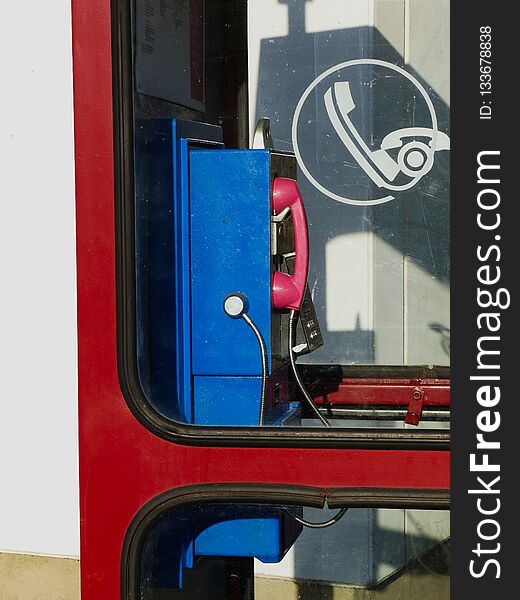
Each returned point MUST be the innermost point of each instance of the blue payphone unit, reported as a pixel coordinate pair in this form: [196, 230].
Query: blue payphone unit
[221, 268]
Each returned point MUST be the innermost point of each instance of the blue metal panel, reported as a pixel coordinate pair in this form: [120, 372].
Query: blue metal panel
[261, 532]
[180, 165]
[178, 539]
[260, 538]
[162, 260]
[227, 401]
[230, 252]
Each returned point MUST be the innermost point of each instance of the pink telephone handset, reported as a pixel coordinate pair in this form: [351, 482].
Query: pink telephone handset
[288, 290]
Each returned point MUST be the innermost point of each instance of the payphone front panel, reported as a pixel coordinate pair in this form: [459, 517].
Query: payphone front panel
[237, 247]
[231, 253]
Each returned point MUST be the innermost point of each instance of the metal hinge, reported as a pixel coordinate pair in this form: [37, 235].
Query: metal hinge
[415, 406]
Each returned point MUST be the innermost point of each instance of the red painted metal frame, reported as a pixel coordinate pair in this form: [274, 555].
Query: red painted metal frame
[123, 465]
[386, 392]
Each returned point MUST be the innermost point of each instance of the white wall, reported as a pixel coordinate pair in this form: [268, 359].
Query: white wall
[38, 430]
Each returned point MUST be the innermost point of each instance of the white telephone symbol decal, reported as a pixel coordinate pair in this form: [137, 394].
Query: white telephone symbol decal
[414, 159]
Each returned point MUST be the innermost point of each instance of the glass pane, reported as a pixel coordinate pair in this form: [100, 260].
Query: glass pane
[360, 91]
[291, 206]
[264, 552]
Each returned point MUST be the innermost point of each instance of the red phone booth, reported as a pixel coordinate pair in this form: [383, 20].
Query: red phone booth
[161, 105]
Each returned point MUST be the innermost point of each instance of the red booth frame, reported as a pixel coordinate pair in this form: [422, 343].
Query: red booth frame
[128, 462]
